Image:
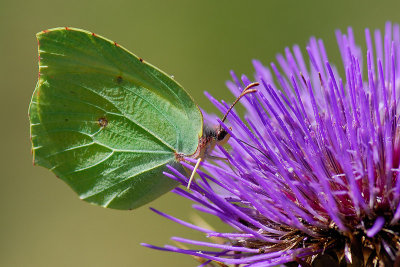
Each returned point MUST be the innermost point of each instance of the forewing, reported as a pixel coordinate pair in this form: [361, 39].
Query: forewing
[106, 122]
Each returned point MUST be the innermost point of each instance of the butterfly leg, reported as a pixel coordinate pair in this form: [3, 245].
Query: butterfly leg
[222, 158]
[194, 172]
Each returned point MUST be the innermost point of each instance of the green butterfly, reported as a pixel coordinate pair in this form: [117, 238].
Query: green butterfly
[107, 123]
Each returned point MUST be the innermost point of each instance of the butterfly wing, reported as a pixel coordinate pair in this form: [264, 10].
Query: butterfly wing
[105, 121]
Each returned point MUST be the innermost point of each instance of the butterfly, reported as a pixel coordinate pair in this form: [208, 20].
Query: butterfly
[107, 123]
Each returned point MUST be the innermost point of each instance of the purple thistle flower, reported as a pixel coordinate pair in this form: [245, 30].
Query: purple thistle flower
[312, 175]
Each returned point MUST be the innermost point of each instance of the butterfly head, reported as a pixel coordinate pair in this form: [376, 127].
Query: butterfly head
[212, 136]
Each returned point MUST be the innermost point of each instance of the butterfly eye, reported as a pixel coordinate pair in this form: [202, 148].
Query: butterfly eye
[221, 134]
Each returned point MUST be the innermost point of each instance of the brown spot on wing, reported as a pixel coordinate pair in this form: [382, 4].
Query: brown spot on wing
[141, 59]
[119, 79]
[103, 122]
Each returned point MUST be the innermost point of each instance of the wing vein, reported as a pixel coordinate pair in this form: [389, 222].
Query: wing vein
[124, 180]
[129, 118]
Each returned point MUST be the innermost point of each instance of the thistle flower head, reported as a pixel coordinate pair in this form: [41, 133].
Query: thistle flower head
[312, 173]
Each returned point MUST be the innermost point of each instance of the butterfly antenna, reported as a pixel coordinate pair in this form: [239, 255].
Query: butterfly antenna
[194, 172]
[254, 148]
[245, 91]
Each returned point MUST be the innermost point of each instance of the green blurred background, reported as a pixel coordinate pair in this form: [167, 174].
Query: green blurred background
[42, 221]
